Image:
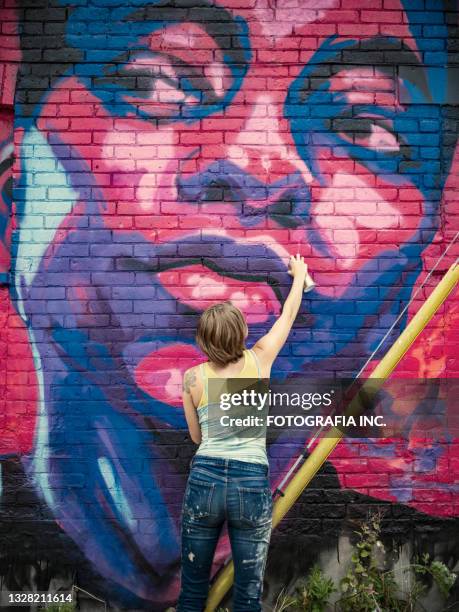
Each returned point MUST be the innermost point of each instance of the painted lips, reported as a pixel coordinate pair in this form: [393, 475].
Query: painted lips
[199, 287]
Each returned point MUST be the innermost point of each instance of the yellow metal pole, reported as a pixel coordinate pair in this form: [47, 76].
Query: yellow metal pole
[326, 445]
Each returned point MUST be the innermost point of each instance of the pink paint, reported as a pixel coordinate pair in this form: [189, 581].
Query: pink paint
[161, 372]
[199, 287]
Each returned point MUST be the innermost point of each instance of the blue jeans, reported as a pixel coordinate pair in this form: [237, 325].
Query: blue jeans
[238, 492]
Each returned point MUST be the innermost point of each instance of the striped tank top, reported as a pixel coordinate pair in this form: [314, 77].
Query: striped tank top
[230, 446]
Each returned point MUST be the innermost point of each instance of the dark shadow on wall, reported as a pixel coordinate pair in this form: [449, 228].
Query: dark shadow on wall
[35, 552]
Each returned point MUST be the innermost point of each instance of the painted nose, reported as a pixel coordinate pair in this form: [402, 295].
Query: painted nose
[263, 146]
[285, 201]
[255, 166]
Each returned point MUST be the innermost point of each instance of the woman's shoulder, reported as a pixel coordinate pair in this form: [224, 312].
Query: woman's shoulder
[262, 360]
[193, 383]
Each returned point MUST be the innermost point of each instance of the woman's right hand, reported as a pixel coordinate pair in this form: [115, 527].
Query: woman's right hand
[269, 346]
[297, 266]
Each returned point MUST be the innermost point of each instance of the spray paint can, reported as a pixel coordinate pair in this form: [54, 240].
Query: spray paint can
[308, 283]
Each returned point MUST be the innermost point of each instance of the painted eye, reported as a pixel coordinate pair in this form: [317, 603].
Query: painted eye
[379, 139]
[159, 82]
[160, 98]
[156, 86]
[372, 133]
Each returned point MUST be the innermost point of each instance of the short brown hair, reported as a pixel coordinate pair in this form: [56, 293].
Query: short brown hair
[221, 333]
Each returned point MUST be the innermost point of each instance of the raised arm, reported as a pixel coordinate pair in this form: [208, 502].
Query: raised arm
[269, 346]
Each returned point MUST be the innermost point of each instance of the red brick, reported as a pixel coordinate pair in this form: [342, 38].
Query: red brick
[382, 16]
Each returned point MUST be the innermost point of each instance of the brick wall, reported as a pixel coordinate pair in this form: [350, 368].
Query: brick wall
[170, 155]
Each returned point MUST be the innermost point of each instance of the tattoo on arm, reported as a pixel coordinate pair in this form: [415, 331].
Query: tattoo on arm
[189, 380]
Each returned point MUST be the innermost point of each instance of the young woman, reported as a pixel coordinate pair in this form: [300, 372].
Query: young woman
[229, 480]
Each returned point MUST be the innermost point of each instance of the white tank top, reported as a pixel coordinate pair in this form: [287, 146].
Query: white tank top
[228, 446]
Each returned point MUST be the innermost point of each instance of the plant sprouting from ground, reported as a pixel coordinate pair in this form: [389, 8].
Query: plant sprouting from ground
[284, 601]
[313, 593]
[366, 587]
[443, 577]
[359, 585]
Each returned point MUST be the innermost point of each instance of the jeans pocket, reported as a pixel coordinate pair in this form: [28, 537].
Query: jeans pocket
[256, 505]
[197, 503]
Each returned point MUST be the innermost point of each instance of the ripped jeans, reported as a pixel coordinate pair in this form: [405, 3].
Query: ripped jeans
[238, 492]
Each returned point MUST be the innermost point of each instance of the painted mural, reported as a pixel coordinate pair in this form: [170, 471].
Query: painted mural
[172, 154]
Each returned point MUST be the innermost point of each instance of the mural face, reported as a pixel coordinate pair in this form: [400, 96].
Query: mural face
[172, 157]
